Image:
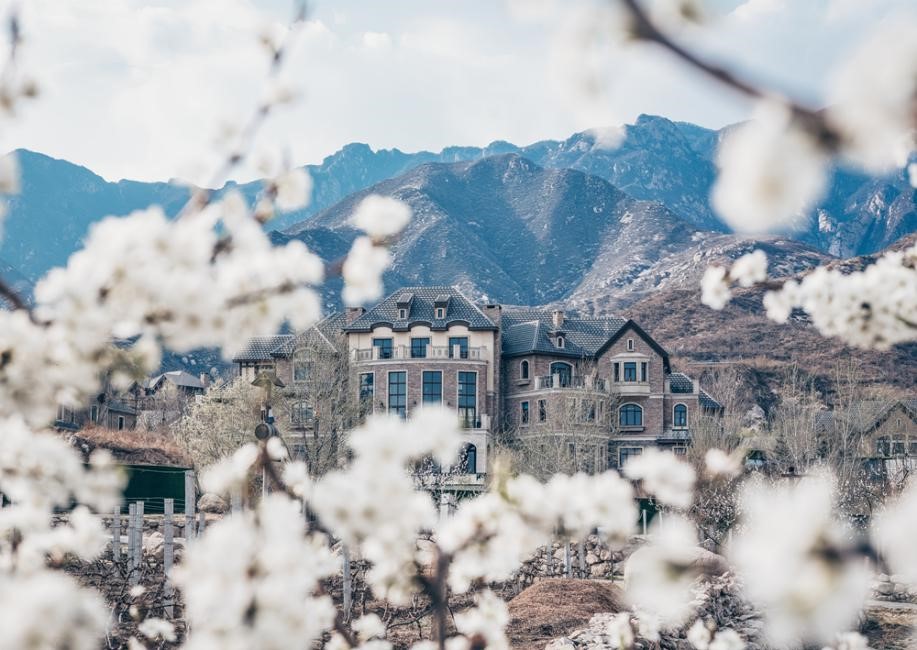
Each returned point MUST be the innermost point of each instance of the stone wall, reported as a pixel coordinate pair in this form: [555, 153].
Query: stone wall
[598, 562]
[894, 588]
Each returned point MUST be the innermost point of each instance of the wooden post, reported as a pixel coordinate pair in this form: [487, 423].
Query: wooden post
[567, 560]
[235, 501]
[347, 584]
[131, 520]
[116, 534]
[581, 549]
[167, 555]
[190, 501]
[643, 513]
[549, 561]
[202, 523]
[138, 540]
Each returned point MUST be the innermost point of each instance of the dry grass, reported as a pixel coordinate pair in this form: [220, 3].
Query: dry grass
[133, 446]
[555, 607]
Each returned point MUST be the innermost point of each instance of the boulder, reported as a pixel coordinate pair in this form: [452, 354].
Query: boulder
[212, 504]
[153, 543]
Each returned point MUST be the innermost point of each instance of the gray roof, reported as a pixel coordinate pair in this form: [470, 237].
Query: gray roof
[422, 299]
[527, 331]
[681, 383]
[177, 377]
[708, 402]
[863, 415]
[261, 348]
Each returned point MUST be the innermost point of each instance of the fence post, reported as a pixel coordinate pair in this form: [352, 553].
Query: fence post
[202, 523]
[643, 513]
[347, 583]
[549, 560]
[235, 501]
[190, 502]
[138, 537]
[567, 568]
[167, 555]
[116, 535]
[131, 517]
[582, 559]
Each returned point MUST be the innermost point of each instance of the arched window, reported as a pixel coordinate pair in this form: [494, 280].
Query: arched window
[470, 458]
[631, 415]
[564, 372]
[524, 370]
[680, 416]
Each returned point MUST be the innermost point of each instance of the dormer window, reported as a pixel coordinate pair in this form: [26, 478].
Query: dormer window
[560, 341]
[630, 345]
[404, 305]
[402, 313]
[440, 306]
[440, 313]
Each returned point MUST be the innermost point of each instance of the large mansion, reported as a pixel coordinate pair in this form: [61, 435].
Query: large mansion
[529, 374]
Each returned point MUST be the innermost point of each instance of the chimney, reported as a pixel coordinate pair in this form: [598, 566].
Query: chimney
[205, 379]
[557, 317]
[352, 314]
[494, 313]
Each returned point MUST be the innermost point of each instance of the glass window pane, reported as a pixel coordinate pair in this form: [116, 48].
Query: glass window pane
[419, 348]
[468, 398]
[432, 387]
[385, 347]
[630, 371]
[462, 342]
[397, 393]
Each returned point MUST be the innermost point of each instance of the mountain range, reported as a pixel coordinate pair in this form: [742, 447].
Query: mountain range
[627, 230]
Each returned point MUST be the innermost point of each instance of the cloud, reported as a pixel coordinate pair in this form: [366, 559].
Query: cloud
[376, 40]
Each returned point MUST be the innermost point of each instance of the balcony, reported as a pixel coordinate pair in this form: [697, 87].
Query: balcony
[436, 352]
[562, 381]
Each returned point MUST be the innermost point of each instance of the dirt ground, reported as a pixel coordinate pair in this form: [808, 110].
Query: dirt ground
[890, 628]
[555, 607]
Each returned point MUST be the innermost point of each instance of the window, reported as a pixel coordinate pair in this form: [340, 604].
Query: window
[462, 342]
[419, 348]
[120, 423]
[631, 415]
[397, 393]
[470, 459]
[468, 398]
[367, 381]
[913, 446]
[302, 414]
[564, 371]
[883, 447]
[630, 371]
[589, 410]
[440, 313]
[524, 418]
[432, 387]
[626, 453]
[616, 368]
[679, 451]
[899, 446]
[680, 416]
[301, 370]
[630, 345]
[542, 410]
[94, 413]
[643, 371]
[385, 347]
[402, 314]
[524, 370]
[560, 341]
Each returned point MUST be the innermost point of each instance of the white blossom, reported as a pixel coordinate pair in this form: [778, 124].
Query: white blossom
[381, 216]
[849, 641]
[620, 632]
[230, 474]
[661, 474]
[770, 173]
[715, 291]
[362, 271]
[369, 626]
[727, 640]
[293, 189]
[157, 628]
[797, 563]
[749, 269]
[895, 529]
[717, 463]
[699, 635]
[9, 174]
[250, 581]
[871, 96]
[487, 620]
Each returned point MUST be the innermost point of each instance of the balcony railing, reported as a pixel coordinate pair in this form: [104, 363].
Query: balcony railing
[404, 353]
[563, 381]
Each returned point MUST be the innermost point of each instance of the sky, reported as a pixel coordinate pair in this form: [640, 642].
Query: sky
[148, 90]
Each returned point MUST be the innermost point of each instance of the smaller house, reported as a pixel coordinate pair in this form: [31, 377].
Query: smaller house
[175, 383]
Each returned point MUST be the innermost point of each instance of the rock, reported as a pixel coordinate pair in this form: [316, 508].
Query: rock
[885, 588]
[562, 643]
[591, 558]
[604, 555]
[212, 504]
[599, 570]
[153, 543]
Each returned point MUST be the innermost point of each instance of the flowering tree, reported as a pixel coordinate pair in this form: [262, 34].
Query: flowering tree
[210, 277]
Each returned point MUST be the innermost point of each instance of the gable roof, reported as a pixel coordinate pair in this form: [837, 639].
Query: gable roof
[261, 348]
[864, 416]
[420, 302]
[176, 377]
